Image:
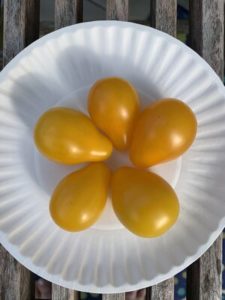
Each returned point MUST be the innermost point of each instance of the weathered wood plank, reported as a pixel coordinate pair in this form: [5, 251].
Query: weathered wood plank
[161, 291]
[21, 26]
[164, 15]
[164, 18]
[204, 277]
[117, 10]
[15, 280]
[13, 28]
[68, 12]
[60, 293]
[207, 31]
[113, 296]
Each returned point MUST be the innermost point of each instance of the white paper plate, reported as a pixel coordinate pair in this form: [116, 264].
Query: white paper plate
[58, 69]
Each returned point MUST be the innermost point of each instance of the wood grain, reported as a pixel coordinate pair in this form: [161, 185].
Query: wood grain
[68, 12]
[15, 280]
[60, 293]
[113, 296]
[20, 27]
[164, 15]
[207, 31]
[164, 18]
[117, 10]
[13, 28]
[161, 291]
[204, 277]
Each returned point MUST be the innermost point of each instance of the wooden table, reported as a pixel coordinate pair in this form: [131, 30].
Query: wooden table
[21, 27]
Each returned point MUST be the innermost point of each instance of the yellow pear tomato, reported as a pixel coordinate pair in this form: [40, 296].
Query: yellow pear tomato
[68, 136]
[113, 104]
[79, 199]
[144, 202]
[164, 131]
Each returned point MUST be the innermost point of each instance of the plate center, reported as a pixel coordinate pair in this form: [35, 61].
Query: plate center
[49, 173]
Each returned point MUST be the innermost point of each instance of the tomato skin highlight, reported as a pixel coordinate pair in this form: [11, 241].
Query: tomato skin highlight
[68, 136]
[113, 104]
[144, 202]
[79, 199]
[163, 131]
